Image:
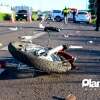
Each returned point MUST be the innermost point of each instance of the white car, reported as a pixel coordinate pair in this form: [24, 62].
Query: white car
[57, 15]
[70, 17]
[83, 16]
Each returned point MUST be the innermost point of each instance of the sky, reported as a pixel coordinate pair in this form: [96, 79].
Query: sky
[48, 4]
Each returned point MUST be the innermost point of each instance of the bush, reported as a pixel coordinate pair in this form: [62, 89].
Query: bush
[4, 16]
[7, 17]
[93, 21]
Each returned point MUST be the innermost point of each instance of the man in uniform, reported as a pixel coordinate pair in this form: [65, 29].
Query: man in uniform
[97, 5]
[65, 13]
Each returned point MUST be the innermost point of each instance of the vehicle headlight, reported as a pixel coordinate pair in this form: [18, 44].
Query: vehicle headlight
[25, 15]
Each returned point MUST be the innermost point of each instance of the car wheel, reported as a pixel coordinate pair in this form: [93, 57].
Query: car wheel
[77, 21]
[16, 19]
[58, 18]
[87, 22]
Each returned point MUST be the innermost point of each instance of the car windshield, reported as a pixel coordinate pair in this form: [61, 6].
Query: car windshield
[56, 11]
[22, 11]
[83, 13]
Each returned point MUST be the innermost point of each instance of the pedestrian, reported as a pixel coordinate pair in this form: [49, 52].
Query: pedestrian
[97, 5]
[65, 13]
[74, 14]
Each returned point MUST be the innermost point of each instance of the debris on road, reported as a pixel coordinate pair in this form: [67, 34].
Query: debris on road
[66, 36]
[41, 25]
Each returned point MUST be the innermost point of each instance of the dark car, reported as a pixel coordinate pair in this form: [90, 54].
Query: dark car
[22, 14]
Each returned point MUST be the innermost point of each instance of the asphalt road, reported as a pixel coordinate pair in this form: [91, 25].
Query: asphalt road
[20, 85]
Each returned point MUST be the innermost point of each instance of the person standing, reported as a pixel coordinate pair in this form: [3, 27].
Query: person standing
[97, 5]
[74, 14]
[65, 13]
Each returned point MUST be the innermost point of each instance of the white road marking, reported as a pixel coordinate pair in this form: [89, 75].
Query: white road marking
[75, 47]
[4, 48]
[33, 37]
[38, 35]
[13, 28]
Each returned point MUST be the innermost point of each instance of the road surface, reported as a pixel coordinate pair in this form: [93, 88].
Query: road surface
[83, 43]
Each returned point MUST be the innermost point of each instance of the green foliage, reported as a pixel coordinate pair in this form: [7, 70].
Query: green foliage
[92, 7]
[4, 16]
[7, 17]
[93, 21]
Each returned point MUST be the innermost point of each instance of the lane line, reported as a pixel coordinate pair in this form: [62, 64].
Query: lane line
[75, 47]
[38, 35]
[33, 37]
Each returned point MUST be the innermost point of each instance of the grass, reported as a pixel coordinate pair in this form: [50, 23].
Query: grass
[2, 16]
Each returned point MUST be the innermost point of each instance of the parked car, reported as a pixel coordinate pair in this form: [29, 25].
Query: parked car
[70, 16]
[57, 15]
[41, 17]
[83, 16]
[22, 14]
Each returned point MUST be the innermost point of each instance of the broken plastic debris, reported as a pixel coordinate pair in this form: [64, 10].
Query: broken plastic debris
[25, 37]
[66, 36]
[41, 25]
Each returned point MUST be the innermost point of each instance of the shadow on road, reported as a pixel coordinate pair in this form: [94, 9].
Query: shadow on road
[78, 29]
[58, 98]
[11, 72]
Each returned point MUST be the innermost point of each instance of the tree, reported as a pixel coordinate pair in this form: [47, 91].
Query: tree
[91, 6]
